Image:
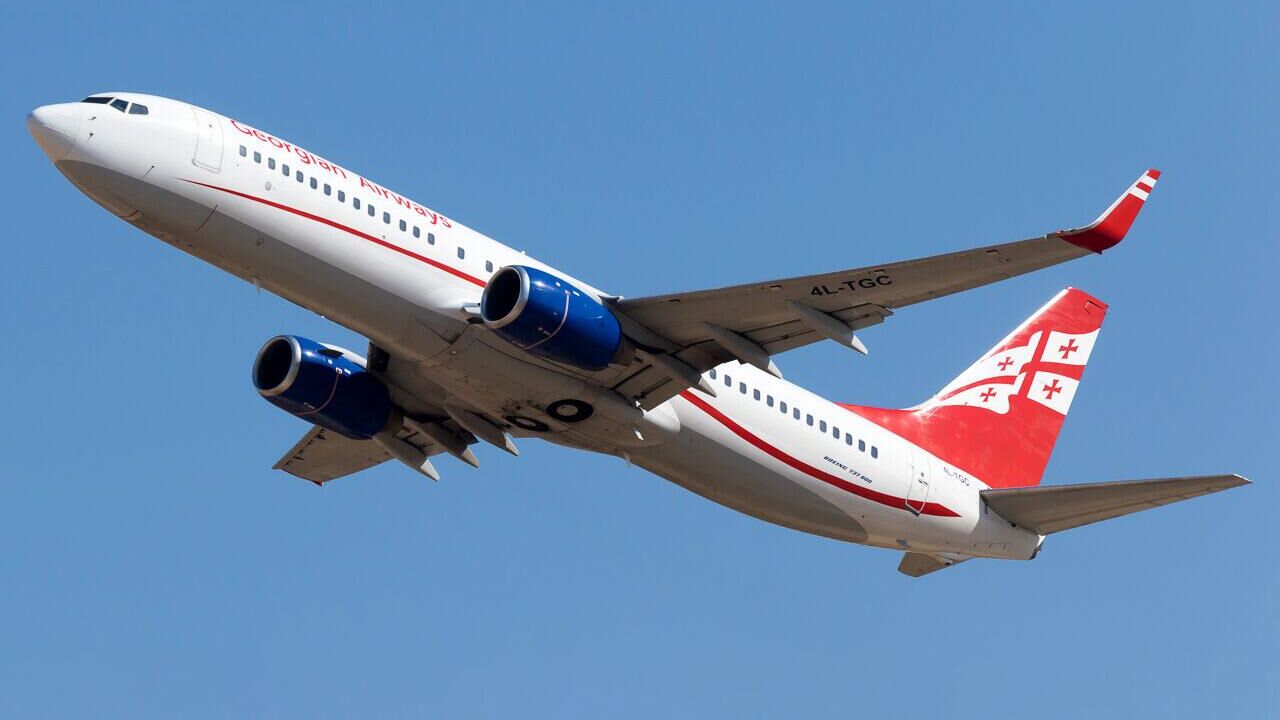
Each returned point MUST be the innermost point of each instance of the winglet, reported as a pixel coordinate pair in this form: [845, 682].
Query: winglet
[1110, 227]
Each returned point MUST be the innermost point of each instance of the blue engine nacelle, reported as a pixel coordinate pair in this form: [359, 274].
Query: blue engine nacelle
[321, 384]
[550, 317]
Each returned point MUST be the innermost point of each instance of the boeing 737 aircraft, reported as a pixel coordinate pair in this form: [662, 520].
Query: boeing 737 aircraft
[471, 341]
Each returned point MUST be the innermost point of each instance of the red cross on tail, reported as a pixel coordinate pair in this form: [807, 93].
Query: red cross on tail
[999, 419]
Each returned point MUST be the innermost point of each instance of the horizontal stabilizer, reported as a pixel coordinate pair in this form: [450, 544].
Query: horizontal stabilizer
[1053, 508]
[916, 564]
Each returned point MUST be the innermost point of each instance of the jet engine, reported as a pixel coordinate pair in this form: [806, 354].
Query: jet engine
[322, 384]
[551, 318]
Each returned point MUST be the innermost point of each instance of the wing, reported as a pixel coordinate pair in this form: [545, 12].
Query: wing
[323, 455]
[1054, 508]
[684, 334]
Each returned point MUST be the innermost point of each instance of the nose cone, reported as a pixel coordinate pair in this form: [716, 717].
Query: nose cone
[55, 128]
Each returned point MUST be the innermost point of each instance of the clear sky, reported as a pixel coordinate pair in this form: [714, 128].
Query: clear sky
[154, 566]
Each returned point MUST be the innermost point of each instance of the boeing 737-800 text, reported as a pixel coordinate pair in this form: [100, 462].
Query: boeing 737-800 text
[471, 341]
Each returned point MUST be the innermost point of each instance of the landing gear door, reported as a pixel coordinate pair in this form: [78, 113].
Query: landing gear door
[208, 153]
[918, 488]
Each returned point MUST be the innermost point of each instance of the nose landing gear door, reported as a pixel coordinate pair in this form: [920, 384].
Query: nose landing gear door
[918, 488]
[208, 152]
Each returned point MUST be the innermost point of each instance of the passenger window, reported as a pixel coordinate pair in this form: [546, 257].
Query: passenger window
[403, 226]
[488, 266]
[342, 196]
[862, 445]
[372, 211]
[462, 253]
[119, 104]
[271, 163]
[713, 373]
[822, 425]
[782, 405]
[795, 413]
[416, 231]
[431, 238]
[875, 452]
[355, 202]
[848, 439]
[298, 176]
[257, 156]
[244, 151]
[835, 432]
[742, 388]
[808, 420]
[755, 394]
[327, 189]
[314, 184]
[137, 109]
[386, 218]
[284, 170]
[768, 400]
[728, 381]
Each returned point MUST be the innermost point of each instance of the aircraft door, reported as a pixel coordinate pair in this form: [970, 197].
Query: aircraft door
[918, 488]
[208, 152]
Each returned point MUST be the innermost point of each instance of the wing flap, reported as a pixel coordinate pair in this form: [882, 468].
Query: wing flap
[1053, 508]
[323, 455]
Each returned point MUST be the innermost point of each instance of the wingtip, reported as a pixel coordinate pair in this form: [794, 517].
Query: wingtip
[1113, 224]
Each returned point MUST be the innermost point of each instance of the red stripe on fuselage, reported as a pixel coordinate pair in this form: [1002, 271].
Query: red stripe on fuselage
[334, 224]
[930, 508]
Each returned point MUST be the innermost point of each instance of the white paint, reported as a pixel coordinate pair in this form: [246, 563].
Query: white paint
[411, 308]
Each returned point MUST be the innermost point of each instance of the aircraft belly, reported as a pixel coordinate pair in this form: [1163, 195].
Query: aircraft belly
[327, 289]
[703, 466]
[125, 196]
[258, 256]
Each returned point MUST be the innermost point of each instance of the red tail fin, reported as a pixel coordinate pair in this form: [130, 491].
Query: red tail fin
[1000, 418]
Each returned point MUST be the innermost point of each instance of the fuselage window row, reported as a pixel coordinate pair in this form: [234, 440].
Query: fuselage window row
[355, 201]
[795, 412]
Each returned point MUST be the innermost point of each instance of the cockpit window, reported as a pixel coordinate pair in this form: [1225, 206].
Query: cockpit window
[97, 100]
[119, 104]
[136, 109]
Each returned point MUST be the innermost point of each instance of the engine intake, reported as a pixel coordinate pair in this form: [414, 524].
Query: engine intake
[551, 318]
[322, 384]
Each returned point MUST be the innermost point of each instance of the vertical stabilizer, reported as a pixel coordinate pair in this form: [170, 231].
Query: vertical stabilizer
[999, 419]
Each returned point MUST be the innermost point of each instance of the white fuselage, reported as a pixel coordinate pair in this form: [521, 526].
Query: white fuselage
[402, 275]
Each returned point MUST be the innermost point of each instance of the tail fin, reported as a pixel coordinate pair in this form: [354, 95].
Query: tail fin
[1000, 418]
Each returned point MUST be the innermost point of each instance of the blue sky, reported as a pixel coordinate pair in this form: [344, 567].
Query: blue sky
[154, 565]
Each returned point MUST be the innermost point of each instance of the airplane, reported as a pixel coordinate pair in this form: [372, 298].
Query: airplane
[471, 341]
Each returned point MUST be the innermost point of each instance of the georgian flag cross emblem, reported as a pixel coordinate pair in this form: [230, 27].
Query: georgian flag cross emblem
[1046, 370]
